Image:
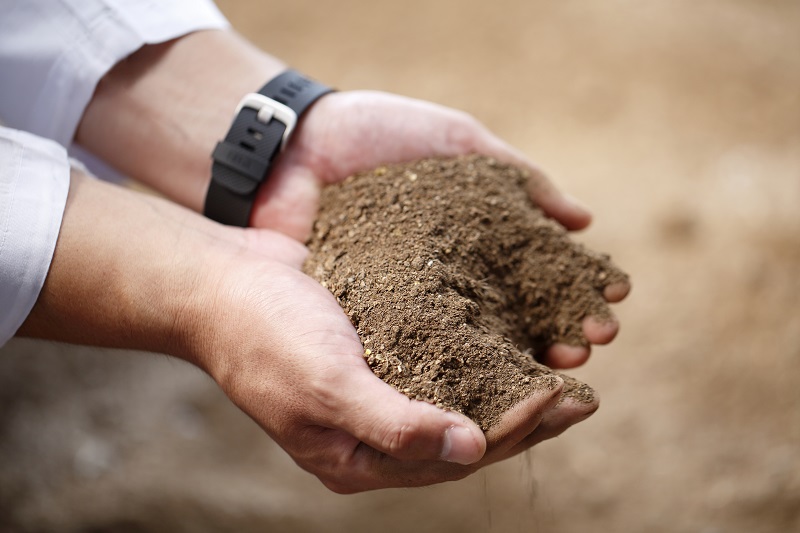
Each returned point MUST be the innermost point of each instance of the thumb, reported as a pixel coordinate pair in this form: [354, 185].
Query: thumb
[384, 419]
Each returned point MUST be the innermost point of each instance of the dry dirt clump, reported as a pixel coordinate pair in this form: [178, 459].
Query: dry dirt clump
[455, 281]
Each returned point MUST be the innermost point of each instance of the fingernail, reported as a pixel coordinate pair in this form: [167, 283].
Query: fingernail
[460, 446]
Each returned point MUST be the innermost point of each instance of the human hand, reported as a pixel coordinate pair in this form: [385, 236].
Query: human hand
[354, 131]
[375, 436]
[283, 350]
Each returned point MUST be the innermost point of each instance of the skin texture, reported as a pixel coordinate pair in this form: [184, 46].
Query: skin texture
[139, 272]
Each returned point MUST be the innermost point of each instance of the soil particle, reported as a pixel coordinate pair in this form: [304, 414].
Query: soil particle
[456, 282]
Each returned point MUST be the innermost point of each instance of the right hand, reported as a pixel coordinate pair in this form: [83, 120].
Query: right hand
[283, 350]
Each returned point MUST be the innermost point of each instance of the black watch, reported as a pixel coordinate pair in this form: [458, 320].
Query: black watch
[262, 126]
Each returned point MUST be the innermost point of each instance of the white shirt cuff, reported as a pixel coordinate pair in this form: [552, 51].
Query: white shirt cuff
[34, 182]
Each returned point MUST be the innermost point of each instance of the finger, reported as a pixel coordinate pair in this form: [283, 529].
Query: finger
[347, 468]
[596, 331]
[365, 468]
[562, 355]
[600, 330]
[566, 209]
[555, 422]
[288, 200]
[522, 419]
[391, 423]
[617, 291]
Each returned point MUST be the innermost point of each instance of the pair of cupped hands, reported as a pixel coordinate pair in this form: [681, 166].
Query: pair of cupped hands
[286, 354]
[157, 276]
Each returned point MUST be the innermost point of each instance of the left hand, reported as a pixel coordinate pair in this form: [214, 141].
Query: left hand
[348, 132]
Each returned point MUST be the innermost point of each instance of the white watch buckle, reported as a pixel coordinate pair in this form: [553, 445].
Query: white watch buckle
[269, 109]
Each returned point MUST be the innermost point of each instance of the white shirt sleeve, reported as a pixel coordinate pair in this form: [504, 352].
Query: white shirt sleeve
[52, 55]
[34, 181]
[54, 52]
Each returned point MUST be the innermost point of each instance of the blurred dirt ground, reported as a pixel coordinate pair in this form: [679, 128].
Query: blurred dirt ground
[678, 122]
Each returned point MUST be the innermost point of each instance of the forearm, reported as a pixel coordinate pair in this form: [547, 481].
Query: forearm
[170, 104]
[122, 274]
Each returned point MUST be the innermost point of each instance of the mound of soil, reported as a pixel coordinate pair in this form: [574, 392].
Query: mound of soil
[455, 281]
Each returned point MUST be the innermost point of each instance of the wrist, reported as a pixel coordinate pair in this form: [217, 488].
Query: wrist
[123, 274]
[173, 101]
[262, 127]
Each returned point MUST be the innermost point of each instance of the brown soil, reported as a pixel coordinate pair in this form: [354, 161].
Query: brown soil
[455, 282]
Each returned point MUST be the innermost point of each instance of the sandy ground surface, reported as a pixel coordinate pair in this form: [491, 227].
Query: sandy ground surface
[678, 122]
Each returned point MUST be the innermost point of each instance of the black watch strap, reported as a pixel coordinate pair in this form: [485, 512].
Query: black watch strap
[262, 126]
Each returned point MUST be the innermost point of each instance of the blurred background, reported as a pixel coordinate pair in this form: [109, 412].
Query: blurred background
[677, 122]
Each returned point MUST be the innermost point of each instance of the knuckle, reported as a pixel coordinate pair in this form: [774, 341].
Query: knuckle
[395, 439]
[333, 464]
